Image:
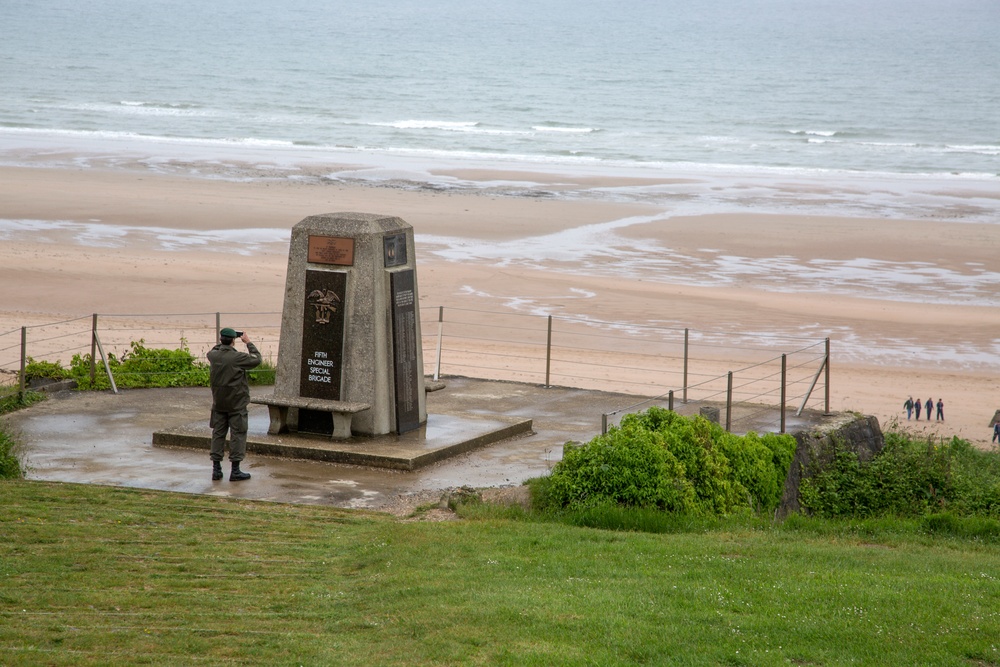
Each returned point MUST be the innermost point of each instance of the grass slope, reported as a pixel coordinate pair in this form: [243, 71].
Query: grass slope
[105, 576]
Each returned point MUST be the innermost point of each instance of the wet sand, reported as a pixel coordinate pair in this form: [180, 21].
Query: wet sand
[907, 304]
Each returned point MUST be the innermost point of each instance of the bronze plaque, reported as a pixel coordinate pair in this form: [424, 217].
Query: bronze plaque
[331, 250]
[405, 350]
[323, 334]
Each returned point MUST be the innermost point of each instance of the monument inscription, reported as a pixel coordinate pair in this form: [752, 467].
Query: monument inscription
[323, 334]
[331, 250]
[405, 350]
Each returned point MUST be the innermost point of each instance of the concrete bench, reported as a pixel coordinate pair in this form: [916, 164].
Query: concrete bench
[342, 412]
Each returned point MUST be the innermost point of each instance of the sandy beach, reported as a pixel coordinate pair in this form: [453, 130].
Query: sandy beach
[81, 241]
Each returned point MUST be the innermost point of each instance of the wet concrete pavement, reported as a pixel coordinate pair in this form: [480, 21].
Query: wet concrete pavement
[105, 438]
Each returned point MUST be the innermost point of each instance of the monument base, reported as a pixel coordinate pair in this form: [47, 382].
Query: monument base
[442, 437]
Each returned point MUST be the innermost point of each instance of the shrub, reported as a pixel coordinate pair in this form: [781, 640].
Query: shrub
[11, 399]
[50, 370]
[908, 478]
[663, 461]
[144, 367]
[141, 366]
[10, 462]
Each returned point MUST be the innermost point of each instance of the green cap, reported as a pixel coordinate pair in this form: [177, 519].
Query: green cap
[229, 333]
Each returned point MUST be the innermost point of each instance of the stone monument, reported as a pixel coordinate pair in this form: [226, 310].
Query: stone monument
[350, 357]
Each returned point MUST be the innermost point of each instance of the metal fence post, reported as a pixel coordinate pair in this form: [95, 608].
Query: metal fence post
[684, 397]
[729, 402]
[670, 400]
[604, 423]
[93, 350]
[827, 379]
[784, 388]
[437, 359]
[218, 326]
[548, 354]
[24, 358]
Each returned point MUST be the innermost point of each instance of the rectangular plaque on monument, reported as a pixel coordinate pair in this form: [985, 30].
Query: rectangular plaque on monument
[323, 334]
[322, 345]
[404, 345]
[331, 250]
[395, 250]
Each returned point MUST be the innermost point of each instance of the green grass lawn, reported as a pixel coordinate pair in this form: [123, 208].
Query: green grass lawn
[104, 576]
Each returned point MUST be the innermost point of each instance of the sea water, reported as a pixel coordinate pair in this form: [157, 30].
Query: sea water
[849, 107]
[897, 87]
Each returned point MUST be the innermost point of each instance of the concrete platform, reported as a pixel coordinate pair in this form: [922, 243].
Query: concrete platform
[443, 436]
[105, 438]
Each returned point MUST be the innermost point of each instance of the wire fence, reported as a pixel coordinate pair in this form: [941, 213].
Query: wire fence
[751, 384]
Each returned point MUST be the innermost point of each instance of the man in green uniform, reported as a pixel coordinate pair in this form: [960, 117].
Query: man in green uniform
[230, 398]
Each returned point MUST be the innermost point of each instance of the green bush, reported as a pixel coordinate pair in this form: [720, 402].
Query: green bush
[50, 370]
[908, 478]
[662, 461]
[10, 463]
[12, 399]
[141, 366]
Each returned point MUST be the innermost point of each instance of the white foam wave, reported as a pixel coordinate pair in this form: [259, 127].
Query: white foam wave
[464, 127]
[814, 133]
[454, 126]
[566, 130]
[134, 108]
[982, 150]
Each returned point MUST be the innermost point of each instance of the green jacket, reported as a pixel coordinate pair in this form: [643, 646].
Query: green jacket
[230, 389]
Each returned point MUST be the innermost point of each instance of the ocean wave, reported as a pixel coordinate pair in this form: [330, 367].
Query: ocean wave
[814, 133]
[159, 105]
[887, 144]
[455, 126]
[135, 108]
[466, 127]
[293, 149]
[980, 150]
[567, 130]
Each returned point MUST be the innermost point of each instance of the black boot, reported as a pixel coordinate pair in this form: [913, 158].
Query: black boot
[216, 471]
[237, 475]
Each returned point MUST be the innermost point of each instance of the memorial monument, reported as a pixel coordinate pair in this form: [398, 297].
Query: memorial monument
[349, 386]
[350, 357]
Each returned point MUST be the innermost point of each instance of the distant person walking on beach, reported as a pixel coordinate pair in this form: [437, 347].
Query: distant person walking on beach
[916, 406]
[940, 409]
[930, 408]
[908, 406]
[230, 398]
[996, 432]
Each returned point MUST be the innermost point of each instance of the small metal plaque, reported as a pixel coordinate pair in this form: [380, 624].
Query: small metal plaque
[395, 250]
[331, 250]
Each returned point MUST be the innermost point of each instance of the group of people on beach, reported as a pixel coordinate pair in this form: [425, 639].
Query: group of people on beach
[912, 406]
